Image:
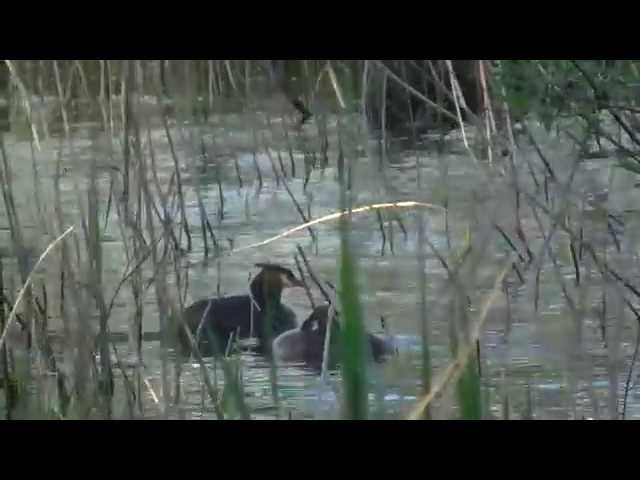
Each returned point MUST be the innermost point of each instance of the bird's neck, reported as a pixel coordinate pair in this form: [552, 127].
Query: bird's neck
[264, 295]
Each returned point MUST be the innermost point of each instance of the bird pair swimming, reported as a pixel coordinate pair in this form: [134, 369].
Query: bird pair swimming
[262, 314]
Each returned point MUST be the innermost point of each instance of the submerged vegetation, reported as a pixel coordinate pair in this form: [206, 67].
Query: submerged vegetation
[131, 189]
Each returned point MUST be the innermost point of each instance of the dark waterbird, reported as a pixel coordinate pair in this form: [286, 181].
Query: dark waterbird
[213, 321]
[306, 343]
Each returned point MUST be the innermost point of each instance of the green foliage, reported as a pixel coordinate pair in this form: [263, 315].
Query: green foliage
[353, 338]
[547, 89]
[469, 393]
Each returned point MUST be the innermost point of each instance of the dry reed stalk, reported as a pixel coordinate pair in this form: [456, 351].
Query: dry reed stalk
[25, 101]
[404, 84]
[27, 283]
[61, 98]
[457, 98]
[304, 282]
[327, 339]
[181, 204]
[337, 215]
[455, 368]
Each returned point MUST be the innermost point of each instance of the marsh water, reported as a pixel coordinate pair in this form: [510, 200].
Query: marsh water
[535, 363]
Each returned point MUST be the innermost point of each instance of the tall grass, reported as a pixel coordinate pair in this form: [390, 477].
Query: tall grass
[353, 341]
[354, 347]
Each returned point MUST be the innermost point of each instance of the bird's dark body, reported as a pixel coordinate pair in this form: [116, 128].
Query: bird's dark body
[232, 315]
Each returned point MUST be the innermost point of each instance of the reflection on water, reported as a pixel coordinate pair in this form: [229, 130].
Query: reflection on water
[528, 357]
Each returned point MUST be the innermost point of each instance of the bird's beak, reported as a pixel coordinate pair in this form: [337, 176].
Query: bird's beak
[291, 283]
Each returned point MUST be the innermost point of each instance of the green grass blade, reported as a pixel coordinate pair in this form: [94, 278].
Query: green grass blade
[353, 340]
[469, 393]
